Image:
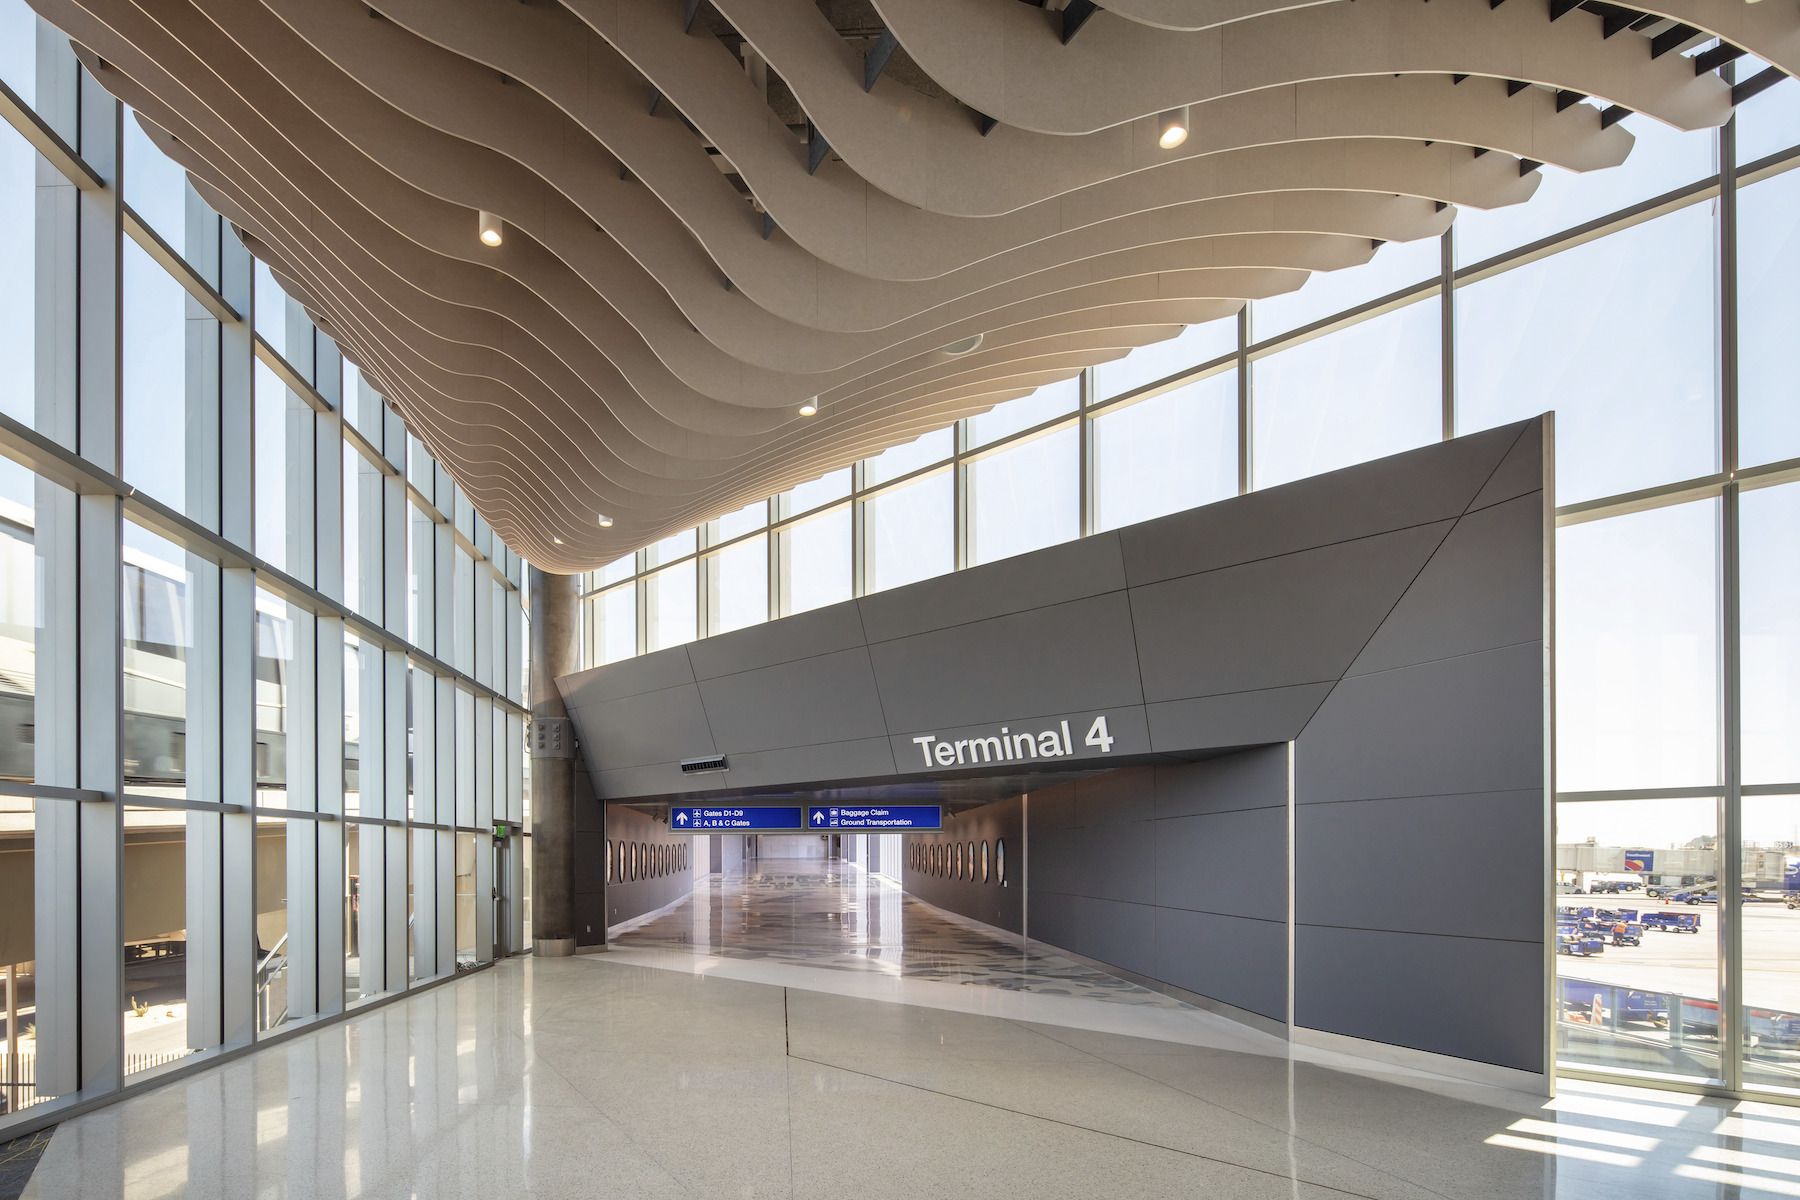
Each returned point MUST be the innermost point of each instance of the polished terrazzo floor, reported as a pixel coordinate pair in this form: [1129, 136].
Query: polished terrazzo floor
[832, 915]
[604, 1076]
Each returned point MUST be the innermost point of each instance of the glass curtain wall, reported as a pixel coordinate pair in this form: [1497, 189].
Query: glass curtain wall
[262, 705]
[1653, 307]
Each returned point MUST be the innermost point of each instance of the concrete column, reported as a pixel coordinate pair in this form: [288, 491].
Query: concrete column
[555, 603]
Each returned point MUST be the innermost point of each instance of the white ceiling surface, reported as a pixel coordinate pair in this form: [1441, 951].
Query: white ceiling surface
[637, 347]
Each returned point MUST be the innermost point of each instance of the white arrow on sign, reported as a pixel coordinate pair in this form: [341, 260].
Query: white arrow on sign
[681, 818]
[818, 817]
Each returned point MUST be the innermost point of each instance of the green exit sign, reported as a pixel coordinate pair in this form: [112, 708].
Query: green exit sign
[499, 829]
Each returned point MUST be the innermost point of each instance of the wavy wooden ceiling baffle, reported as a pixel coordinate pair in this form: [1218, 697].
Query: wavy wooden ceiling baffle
[716, 210]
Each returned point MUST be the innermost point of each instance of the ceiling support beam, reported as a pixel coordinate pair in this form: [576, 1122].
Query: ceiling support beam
[1074, 15]
[877, 59]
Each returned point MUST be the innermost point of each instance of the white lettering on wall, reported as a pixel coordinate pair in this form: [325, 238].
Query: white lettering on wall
[1007, 746]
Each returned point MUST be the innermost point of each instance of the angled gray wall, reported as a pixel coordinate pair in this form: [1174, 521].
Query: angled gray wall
[1429, 755]
[1389, 619]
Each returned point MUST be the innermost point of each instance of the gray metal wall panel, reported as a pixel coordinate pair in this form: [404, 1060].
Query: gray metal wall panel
[1232, 863]
[1250, 779]
[1300, 618]
[770, 768]
[627, 677]
[1088, 567]
[1115, 932]
[1073, 656]
[1456, 862]
[1119, 860]
[1467, 598]
[1235, 719]
[654, 727]
[820, 631]
[1466, 997]
[1240, 961]
[1467, 724]
[1521, 472]
[1432, 483]
[825, 698]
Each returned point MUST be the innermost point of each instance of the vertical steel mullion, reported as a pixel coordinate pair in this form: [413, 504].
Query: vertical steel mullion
[1244, 445]
[859, 533]
[1447, 325]
[237, 899]
[962, 505]
[1731, 827]
[99, 531]
[1084, 455]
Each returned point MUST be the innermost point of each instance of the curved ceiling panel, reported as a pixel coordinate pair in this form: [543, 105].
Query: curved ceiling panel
[715, 211]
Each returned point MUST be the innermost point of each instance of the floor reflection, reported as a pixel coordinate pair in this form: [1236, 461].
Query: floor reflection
[825, 913]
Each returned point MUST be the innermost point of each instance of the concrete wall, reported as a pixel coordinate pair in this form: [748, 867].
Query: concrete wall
[1389, 619]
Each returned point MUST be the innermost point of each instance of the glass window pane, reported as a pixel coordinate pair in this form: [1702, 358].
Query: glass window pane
[1767, 123]
[1768, 316]
[1051, 400]
[159, 639]
[465, 900]
[891, 464]
[1363, 392]
[1616, 336]
[271, 922]
[1025, 497]
[751, 516]
[1769, 532]
[21, 571]
[815, 562]
[18, 955]
[1637, 973]
[275, 635]
[823, 490]
[739, 577]
[284, 475]
[353, 707]
[669, 607]
[19, 207]
[671, 548]
[1195, 345]
[1771, 851]
[1637, 670]
[155, 186]
[18, 50]
[1396, 265]
[421, 552]
[911, 532]
[362, 482]
[155, 386]
[619, 568]
[1662, 160]
[1168, 453]
[153, 908]
[612, 625]
[271, 310]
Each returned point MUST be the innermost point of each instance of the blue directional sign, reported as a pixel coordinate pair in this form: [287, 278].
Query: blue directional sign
[890, 817]
[735, 820]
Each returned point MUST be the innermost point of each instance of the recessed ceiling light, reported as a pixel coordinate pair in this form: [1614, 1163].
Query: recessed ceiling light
[605, 521]
[963, 345]
[489, 228]
[556, 539]
[810, 407]
[1172, 128]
